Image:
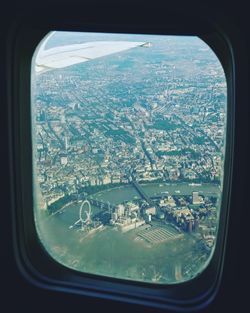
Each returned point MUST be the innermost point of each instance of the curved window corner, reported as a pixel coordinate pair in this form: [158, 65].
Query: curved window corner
[130, 141]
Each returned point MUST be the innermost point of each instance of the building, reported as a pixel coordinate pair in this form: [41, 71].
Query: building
[120, 210]
[168, 201]
[66, 143]
[132, 207]
[129, 226]
[64, 159]
[150, 211]
[106, 180]
[196, 198]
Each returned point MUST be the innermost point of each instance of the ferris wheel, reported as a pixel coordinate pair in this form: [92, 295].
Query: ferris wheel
[84, 215]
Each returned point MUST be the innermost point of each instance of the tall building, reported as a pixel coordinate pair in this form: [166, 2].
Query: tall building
[66, 142]
[190, 226]
[120, 210]
[196, 198]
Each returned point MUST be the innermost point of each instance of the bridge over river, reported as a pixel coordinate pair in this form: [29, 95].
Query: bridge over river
[142, 193]
[101, 204]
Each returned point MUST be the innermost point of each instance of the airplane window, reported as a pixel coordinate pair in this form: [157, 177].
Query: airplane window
[129, 135]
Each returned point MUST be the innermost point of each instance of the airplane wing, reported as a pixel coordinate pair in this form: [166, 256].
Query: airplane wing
[63, 56]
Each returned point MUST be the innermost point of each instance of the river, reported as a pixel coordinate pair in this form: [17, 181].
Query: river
[126, 193]
[112, 253]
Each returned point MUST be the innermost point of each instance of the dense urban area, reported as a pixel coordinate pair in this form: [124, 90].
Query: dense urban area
[150, 117]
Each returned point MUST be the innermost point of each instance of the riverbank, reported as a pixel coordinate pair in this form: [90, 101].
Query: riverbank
[128, 192]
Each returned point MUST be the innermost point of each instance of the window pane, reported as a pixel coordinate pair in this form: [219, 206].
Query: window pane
[128, 150]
